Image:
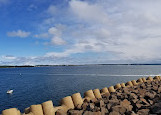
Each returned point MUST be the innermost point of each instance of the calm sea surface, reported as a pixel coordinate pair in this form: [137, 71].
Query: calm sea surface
[39, 84]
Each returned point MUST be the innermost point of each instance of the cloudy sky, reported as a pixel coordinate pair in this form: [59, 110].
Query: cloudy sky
[79, 31]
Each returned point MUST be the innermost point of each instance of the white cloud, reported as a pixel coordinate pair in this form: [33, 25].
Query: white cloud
[89, 45]
[53, 36]
[18, 33]
[88, 12]
[116, 31]
[125, 32]
[55, 31]
[57, 41]
[52, 10]
[130, 31]
[13, 60]
[43, 35]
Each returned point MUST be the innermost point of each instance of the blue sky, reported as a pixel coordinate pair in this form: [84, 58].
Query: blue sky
[36, 32]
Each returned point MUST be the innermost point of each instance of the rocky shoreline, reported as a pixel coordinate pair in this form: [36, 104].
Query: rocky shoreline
[142, 99]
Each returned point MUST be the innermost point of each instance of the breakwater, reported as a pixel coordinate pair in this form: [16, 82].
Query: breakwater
[76, 101]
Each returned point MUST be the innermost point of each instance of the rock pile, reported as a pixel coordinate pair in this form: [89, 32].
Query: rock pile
[142, 99]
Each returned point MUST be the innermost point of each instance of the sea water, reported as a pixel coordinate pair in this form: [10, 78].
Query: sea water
[35, 85]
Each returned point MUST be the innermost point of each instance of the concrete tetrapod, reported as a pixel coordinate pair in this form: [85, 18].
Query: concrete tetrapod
[104, 90]
[27, 110]
[117, 86]
[67, 102]
[111, 89]
[134, 82]
[70, 102]
[28, 113]
[89, 95]
[60, 110]
[48, 108]
[129, 83]
[140, 80]
[97, 93]
[36, 109]
[77, 100]
[150, 79]
[156, 78]
[18, 112]
[11, 111]
[123, 85]
[144, 80]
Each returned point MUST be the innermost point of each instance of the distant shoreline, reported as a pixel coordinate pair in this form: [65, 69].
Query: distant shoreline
[8, 66]
[14, 66]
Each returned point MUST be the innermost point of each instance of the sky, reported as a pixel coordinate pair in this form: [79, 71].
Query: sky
[56, 32]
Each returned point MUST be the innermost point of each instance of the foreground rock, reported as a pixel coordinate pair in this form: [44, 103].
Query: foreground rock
[143, 99]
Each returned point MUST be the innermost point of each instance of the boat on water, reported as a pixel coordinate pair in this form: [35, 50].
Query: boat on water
[10, 91]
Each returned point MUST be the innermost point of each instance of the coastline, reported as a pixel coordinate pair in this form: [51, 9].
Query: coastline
[19, 66]
[76, 104]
